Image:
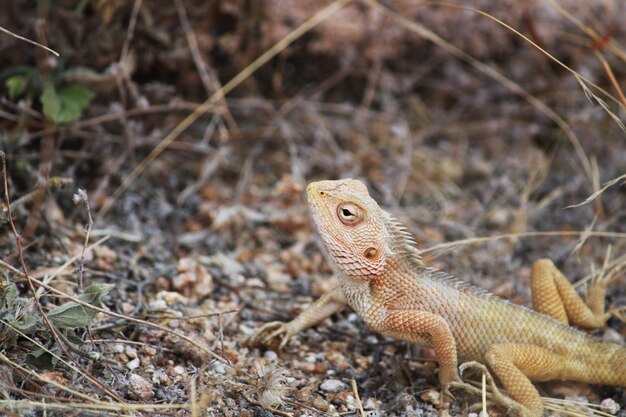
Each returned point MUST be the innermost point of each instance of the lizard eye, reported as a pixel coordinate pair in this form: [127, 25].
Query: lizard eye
[348, 213]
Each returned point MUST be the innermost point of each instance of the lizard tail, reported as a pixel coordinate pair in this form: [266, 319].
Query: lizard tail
[613, 368]
[600, 363]
[620, 368]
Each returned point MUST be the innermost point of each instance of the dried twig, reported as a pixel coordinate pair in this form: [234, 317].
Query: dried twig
[81, 198]
[15, 35]
[440, 249]
[210, 82]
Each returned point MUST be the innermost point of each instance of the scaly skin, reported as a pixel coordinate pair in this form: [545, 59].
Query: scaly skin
[382, 277]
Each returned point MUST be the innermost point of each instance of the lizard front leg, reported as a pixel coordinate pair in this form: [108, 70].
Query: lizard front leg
[324, 307]
[554, 295]
[423, 328]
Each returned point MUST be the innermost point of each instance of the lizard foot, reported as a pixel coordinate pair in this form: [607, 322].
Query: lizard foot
[494, 394]
[619, 313]
[268, 332]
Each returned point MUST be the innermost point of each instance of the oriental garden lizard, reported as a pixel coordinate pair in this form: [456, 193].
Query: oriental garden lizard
[382, 277]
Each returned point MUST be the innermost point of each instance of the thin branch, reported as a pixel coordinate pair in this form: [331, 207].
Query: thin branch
[15, 35]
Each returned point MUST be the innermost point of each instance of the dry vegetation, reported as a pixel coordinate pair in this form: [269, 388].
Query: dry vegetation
[134, 297]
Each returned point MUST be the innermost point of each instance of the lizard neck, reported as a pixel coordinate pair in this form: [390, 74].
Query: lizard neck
[366, 291]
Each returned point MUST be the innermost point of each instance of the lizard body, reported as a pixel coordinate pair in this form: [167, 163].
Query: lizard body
[381, 276]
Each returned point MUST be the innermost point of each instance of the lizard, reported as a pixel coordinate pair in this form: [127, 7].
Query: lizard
[382, 277]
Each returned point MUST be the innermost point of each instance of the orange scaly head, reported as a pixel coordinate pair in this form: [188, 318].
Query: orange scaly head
[351, 225]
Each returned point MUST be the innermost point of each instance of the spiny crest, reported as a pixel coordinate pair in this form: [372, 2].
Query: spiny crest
[454, 282]
[402, 242]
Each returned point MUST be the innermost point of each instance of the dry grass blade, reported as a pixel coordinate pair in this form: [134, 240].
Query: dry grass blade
[611, 45]
[564, 407]
[220, 94]
[608, 271]
[600, 191]
[114, 407]
[36, 375]
[357, 398]
[440, 249]
[484, 394]
[15, 35]
[613, 80]
[592, 97]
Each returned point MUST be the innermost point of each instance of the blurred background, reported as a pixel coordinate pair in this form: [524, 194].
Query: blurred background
[194, 126]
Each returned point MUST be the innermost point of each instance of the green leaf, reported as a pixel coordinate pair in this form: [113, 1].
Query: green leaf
[65, 104]
[16, 85]
[26, 324]
[43, 359]
[51, 102]
[74, 99]
[73, 315]
[8, 294]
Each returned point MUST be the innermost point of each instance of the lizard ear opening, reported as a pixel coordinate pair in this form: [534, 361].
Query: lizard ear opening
[371, 253]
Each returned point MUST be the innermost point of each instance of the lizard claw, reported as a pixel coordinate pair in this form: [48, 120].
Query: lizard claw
[270, 331]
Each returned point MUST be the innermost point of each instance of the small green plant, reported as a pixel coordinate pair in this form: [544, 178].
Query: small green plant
[61, 102]
[18, 318]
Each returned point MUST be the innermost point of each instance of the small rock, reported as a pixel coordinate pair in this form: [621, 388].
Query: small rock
[131, 352]
[333, 385]
[139, 388]
[610, 406]
[303, 366]
[192, 278]
[270, 355]
[127, 308]
[148, 350]
[134, 364]
[179, 370]
[219, 368]
[161, 378]
[612, 336]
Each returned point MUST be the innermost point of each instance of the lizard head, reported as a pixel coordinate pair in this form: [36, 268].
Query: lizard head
[351, 225]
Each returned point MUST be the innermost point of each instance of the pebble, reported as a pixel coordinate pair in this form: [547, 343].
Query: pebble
[610, 405]
[134, 364]
[270, 355]
[139, 388]
[219, 368]
[333, 385]
[179, 370]
[131, 352]
[612, 336]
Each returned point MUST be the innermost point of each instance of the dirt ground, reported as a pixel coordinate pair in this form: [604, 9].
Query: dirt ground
[156, 170]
